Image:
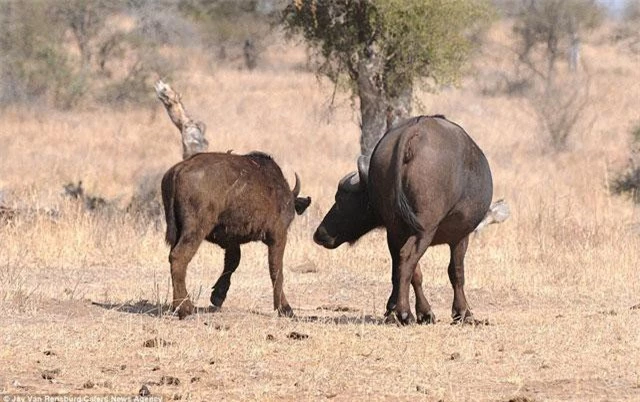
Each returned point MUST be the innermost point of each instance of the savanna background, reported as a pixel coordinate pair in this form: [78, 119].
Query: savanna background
[85, 284]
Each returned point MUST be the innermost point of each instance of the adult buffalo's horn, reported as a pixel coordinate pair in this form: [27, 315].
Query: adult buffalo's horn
[296, 187]
[350, 183]
[363, 169]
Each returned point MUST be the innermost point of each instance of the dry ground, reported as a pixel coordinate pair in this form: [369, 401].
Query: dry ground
[79, 295]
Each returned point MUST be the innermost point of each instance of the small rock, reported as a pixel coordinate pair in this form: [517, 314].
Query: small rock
[106, 384]
[88, 384]
[169, 380]
[305, 268]
[50, 374]
[49, 353]
[636, 307]
[176, 397]
[155, 368]
[155, 342]
[297, 335]
[195, 379]
[454, 356]
[217, 327]
[144, 391]
[123, 366]
[271, 337]
[422, 389]
[212, 361]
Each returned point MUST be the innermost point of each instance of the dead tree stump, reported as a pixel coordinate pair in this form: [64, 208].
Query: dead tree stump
[192, 131]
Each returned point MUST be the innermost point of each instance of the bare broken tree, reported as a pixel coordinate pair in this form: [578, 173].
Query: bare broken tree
[192, 131]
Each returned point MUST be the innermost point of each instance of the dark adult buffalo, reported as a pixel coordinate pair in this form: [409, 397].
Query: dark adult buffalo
[228, 200]
[426, 183]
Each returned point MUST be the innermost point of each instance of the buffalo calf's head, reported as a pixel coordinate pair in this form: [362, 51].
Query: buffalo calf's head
[350, 217]
[300, 204]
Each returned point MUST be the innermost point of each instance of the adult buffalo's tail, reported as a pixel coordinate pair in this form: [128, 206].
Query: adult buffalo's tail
[404, 155]
[168, 196]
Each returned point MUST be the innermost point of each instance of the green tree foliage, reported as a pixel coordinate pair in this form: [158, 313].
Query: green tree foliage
[382, 48]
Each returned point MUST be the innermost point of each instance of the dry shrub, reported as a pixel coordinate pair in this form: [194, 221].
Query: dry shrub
[560, 110]
[628, 182]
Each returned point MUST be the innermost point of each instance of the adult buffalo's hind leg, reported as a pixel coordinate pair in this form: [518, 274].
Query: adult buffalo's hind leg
[460, 311]
[231, 262]
[276, 253]
[410, 253]
[424, 314]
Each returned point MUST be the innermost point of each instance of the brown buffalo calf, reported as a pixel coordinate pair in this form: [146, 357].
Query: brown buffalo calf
[228, 200]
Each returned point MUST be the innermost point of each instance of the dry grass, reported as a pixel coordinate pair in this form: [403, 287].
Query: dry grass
[556, 281]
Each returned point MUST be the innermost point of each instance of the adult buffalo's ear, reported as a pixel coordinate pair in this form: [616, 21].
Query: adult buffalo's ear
[363, 169]
[301, 204]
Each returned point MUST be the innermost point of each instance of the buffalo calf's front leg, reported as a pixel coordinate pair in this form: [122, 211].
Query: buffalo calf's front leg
[231, 262]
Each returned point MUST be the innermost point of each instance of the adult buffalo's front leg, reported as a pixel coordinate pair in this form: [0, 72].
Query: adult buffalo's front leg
[460, 311]
[276, 253]
[231, 262]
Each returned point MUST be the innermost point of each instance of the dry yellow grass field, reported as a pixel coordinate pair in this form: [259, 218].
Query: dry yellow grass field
[556, 281]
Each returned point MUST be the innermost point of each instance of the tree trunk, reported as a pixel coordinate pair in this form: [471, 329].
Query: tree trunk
[373, 113]
[378, 110]
[192, 131]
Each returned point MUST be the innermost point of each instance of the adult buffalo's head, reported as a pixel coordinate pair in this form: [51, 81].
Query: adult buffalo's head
[351, 215]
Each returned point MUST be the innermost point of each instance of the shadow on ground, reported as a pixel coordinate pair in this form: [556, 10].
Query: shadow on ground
[145, 307]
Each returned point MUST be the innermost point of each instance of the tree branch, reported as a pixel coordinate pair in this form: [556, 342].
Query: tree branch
[192, 131]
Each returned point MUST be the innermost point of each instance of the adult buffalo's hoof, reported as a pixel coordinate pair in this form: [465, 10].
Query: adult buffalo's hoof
[467, 318]
[426, 317]
[285, 311]
[394, 317]
[184, 308]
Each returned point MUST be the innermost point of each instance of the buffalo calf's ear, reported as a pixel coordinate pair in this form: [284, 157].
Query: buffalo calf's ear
[301, 204]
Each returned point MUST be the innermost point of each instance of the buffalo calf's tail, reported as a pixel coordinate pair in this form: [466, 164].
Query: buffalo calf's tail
[168, 196]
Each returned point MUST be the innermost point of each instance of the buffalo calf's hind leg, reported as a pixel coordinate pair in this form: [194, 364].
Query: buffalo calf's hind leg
[460, 311]
[179, 258]
[276, 253]
[231, 262]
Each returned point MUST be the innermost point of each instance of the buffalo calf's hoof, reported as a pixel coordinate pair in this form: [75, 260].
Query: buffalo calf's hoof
[426, 318]
[285, 311]
[184, 309]
[216, 301]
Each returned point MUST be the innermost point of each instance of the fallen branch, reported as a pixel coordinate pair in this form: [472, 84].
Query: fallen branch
[192, 131]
